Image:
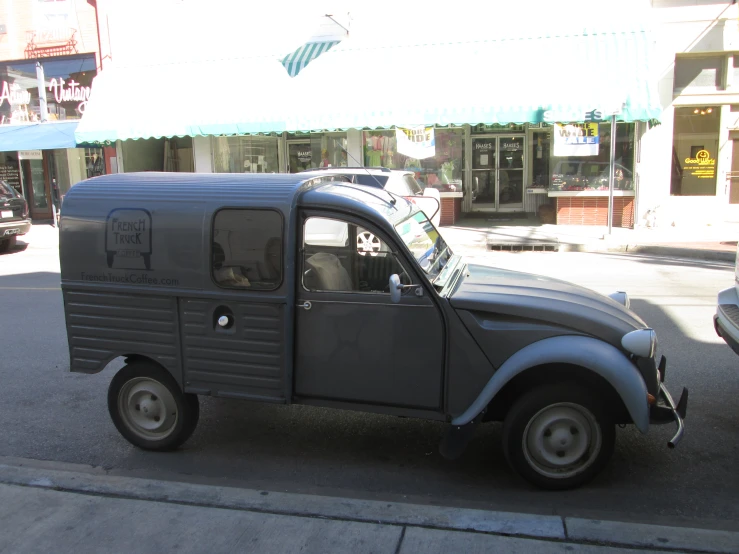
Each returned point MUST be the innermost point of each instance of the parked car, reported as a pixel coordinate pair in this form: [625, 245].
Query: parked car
[260, 290]
[400, 182]
[14, 220]
[726, 320]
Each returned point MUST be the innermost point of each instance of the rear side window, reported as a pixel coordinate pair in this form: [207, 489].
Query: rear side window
[246, 252]
[377, 181]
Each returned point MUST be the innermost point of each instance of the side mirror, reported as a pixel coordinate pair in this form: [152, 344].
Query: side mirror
[395, 288]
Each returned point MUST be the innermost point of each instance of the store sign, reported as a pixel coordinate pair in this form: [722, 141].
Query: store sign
[304, 156]
[14, 94]
[576, 139]
[30, 155]
[11, 174]
[416, 142]
[703, 166]
[70, 91]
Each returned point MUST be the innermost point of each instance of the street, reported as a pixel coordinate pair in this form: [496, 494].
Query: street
[51, 414]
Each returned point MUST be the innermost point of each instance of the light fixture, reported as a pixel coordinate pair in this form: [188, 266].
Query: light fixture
[696, 110]
[709, 110]
[703, 113]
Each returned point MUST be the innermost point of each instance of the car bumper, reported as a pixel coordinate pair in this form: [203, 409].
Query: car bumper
[665, 410]
[11, 228]
[726, 320]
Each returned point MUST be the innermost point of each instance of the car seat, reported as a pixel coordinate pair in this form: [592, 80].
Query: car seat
[325, 272]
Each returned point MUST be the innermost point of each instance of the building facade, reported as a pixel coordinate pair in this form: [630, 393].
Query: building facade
[535, 132]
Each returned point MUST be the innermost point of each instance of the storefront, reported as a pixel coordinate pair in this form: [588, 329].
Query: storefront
[491, 147]
[40, 157]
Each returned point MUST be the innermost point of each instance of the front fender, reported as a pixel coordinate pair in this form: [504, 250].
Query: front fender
[593, 354]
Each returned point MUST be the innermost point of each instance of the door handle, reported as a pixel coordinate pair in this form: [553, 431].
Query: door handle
[305, 305]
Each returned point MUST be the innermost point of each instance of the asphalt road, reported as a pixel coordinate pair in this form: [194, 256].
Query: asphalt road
[47, 413]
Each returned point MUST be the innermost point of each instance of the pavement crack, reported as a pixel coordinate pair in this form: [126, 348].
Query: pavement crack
[400, 540]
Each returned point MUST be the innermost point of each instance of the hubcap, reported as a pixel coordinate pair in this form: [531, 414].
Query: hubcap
[147, 408]
[562, 440]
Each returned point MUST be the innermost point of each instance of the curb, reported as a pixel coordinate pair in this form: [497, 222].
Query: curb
[87, 480]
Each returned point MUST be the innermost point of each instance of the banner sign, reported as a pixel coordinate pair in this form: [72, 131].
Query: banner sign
[416, 142]
[576, 139]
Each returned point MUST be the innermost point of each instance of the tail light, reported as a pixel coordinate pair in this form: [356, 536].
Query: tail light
[25, 210]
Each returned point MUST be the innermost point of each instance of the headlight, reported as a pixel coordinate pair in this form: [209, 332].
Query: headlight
[621, 297]
[642, 342]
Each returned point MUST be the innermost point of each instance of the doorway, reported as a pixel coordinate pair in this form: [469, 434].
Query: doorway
[36, 187]
[497, 179]
[299, 156]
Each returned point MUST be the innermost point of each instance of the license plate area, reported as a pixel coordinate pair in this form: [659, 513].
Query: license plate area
[10, 232]
[6, 213]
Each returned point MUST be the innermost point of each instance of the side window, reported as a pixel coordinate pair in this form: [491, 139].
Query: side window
[397, 185]
[246, 252]
[342, 257]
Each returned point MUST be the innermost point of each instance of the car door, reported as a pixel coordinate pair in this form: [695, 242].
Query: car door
[352, 342]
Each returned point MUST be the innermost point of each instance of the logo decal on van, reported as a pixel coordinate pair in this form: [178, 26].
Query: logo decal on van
[128, 238]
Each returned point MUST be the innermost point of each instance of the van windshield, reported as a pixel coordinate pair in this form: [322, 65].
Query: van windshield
[425, 242]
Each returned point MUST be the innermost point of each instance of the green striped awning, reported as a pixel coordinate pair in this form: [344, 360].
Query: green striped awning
[495, 80]
[296, 62]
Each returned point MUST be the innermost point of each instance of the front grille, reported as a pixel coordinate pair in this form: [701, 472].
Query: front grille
[731, 311]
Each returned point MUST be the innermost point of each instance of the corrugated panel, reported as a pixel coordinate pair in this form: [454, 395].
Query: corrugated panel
[102, 325]
[272, 189]
[246, 362]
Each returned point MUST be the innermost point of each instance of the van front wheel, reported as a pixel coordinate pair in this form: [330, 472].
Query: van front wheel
[558, 436]
[149, 409]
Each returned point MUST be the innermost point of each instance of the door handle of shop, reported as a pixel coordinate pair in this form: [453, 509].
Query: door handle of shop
[305, 305]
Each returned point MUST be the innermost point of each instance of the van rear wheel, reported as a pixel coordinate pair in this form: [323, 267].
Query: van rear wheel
[149, 409]
[558, 436]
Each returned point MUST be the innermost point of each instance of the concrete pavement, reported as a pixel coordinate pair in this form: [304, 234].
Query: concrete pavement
[47, 506]
[715, 242]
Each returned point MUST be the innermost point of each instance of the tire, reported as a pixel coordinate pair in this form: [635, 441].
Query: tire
[140, 394]
[565, 413]
[8, 244]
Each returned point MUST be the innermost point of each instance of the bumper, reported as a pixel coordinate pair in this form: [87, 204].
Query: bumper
[666, 411]
[10, 228]
[726, 320]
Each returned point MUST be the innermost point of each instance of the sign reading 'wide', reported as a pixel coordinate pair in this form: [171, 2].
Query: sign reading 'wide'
[576, 139]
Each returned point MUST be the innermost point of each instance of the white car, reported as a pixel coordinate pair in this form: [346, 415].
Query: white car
[726, 320]
[396, 181]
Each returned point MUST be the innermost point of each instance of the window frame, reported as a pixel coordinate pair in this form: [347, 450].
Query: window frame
[282, 248]
[393, 250]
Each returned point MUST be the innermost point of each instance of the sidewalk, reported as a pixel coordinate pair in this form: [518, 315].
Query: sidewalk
[717, 242]
[54, 507]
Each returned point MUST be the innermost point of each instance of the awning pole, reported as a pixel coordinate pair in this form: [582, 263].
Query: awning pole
[41, 83]
[611, 171]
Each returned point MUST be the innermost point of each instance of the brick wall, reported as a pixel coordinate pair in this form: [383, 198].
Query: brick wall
[451, 211]
[594, 211]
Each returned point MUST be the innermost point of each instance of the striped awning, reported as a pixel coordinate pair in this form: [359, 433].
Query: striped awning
[296, 62]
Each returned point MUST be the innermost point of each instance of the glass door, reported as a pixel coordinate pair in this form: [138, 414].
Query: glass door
[497, 173]
[510, 173]
[37, 191]
[299, 156]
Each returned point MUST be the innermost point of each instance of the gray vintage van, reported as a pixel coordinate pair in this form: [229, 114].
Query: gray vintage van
[306, 289]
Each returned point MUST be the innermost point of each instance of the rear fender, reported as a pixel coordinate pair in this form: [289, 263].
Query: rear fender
[593, 354]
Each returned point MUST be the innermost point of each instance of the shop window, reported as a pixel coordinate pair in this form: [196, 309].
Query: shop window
[699, 73]
[575, 173]
[342, 257]
[247, 249]
[444, 170]
[694, 151]
[329, 150]
[245, 155]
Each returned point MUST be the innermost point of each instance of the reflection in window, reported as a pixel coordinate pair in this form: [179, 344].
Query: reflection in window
[343, 257]
[247, 249]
